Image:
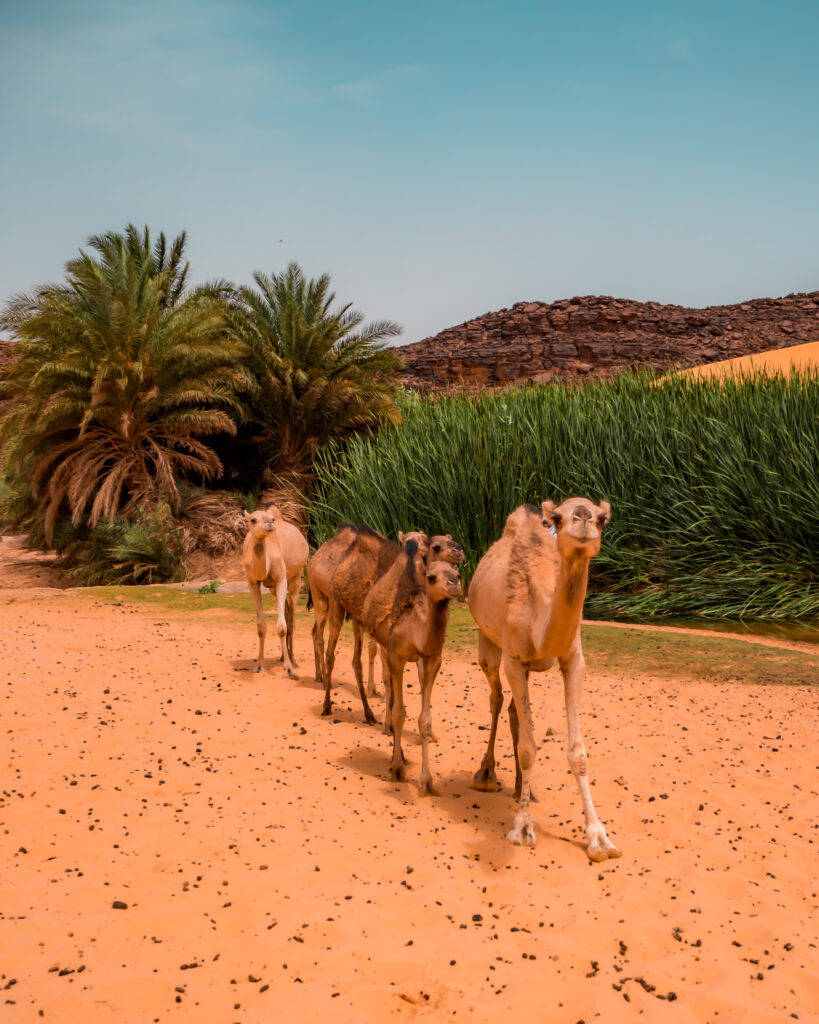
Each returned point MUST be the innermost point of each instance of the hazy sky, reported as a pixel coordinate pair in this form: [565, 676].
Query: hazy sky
[440, 159]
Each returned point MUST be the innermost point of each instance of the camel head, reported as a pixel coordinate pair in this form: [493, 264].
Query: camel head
[579, 524]
[419, 539]
[443, 548]
[443, 582]
[259, 523]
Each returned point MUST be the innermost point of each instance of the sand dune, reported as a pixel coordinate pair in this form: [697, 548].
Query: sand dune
[184, 840]
[778, 360]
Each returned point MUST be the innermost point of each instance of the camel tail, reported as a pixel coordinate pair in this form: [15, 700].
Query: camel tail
[309, 598]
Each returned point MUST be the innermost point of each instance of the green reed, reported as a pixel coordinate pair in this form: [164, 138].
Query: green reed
[714, 485]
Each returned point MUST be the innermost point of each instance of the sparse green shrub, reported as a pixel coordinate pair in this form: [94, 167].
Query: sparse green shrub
[147, 550]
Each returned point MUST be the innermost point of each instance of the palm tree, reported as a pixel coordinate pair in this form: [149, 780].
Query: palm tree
[321, 375]
[118, 376]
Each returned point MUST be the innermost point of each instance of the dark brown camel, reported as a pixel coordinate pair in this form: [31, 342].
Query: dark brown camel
[340, 575]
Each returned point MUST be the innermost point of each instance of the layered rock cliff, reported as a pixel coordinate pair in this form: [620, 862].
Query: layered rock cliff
[597, 335]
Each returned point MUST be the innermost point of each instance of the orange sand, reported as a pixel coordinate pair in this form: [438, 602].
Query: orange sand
[272, 872]
[777, 360]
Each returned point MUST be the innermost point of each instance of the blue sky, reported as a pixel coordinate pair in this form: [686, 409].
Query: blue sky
[439, 159]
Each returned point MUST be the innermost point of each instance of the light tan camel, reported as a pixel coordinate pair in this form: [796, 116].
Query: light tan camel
[407, 611]
[274, 554]
[340, 575]
[527, 598]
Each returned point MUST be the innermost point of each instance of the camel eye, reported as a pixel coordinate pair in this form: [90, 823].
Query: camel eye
[431, 578]
[557, 518]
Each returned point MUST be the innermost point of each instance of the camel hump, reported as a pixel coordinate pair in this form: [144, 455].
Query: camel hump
[524, 518]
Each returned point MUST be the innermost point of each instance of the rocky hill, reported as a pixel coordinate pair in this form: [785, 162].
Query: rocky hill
[597, 335]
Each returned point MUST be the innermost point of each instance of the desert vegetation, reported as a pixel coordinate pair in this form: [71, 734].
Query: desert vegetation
[714, 485]
[141, 416]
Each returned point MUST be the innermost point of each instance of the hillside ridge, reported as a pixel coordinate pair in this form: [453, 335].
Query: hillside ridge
[599, 335]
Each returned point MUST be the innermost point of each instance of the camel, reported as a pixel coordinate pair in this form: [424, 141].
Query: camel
[340, 575]
[527, 598]
[441, 548]
[274, 554]
[407, 611]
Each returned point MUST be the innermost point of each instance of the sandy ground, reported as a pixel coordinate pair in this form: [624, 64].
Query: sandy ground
[184, 840]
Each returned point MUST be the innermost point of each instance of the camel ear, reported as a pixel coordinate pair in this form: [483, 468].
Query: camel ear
[605, 514]
[245, 515]
[550, 513]
[401, 537]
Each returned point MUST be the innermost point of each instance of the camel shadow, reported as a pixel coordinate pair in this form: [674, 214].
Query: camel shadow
[489, 814]
[270, 667]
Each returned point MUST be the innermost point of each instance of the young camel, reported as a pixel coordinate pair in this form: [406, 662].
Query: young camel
[407, 611]
[340, 575]
[442, 548]
[527, 598]
[274, 554]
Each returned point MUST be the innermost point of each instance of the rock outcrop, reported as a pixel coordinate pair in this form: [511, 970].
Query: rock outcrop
[597, 335]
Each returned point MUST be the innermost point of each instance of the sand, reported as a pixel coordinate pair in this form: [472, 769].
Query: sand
[183, 840]
[777, 360]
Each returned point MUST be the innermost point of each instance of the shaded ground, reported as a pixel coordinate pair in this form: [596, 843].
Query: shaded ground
[269, 869]
[22, 568]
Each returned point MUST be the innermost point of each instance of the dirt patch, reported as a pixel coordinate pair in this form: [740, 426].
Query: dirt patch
[185, 839]
[21, 568]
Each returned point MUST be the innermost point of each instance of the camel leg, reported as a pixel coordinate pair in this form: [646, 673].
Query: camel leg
[372, 647]
[320, 607]
[573, 667]
[427, 671]
[385, 675]
[293, 591]
[336, 622]
[426, 700]
[261, 624]
[523, 830]
[369, 717]
[514, 728]
[396, 666]
[281, 624]
[489, 657]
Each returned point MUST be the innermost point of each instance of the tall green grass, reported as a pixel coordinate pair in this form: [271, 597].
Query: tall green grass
[714, 486]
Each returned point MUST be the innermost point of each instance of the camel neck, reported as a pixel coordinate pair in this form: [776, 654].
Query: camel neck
[436, 623]
[567, 606]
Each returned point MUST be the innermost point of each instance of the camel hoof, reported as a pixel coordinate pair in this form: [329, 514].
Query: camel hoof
[373, 691]
[258, 668]
[397, 773]
[426, 788]
[291, 674]
[523, 832]
[370, 718]
[485, 781]
[326, 710]
[600, 847]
